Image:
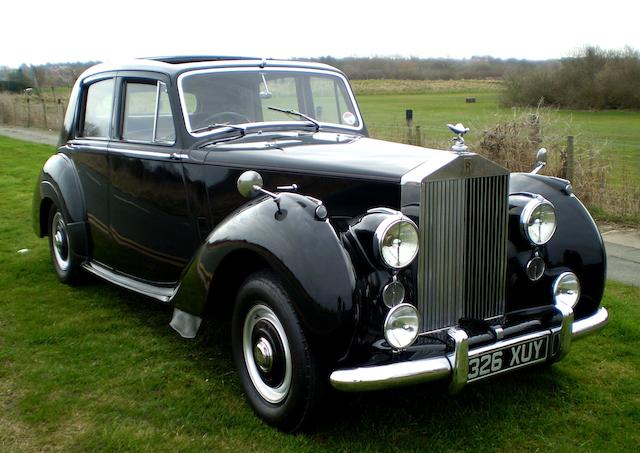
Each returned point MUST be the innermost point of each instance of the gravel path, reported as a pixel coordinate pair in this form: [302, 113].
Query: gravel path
[31, 135]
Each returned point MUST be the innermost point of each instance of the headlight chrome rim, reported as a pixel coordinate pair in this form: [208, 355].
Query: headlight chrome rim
[526, 214]
[562, 279]
[381, 232]
[391, 316]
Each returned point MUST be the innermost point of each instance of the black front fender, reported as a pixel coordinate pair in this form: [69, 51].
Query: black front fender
[303, 251]
[576, 245]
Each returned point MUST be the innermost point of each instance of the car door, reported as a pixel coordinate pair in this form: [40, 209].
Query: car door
[153, 235]
[89, 151]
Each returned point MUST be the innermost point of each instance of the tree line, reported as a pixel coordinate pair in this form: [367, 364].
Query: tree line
[592, 78]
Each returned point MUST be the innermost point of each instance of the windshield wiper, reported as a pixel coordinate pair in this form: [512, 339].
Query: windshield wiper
[298, 114]
[213, 126]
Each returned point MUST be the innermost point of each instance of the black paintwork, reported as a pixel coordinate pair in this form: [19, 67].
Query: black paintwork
[182, 223]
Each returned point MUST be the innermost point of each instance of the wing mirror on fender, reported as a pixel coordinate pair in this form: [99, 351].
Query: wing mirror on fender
[541, 157]
[250, 184]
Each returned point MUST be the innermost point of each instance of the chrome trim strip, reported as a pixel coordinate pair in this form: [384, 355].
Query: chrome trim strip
[163, 294]
[166, 155]
[450, 366]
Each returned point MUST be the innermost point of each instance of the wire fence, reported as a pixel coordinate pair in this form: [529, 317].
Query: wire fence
[42, 112]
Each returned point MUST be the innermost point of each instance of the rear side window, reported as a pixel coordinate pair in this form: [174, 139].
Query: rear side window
[98, 109]
[147, 114]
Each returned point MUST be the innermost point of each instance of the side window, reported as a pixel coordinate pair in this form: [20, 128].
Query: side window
[98, 108]
[147, 114]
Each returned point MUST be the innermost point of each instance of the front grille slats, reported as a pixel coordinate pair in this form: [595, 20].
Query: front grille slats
[463, 250]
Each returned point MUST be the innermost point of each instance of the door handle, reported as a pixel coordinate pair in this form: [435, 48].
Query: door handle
[178, 156]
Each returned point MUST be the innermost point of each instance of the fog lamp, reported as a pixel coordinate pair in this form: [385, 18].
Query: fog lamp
[401, 326]
[566, 289]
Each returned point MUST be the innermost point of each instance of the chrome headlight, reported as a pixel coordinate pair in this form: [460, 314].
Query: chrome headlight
[566, 289]
[538, 221]
[402, 326]
[396, 240]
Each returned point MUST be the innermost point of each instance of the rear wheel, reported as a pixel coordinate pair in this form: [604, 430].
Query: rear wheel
[65, 262]
[277, 369]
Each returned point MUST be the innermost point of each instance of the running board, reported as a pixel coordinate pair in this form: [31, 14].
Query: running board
[161, 293]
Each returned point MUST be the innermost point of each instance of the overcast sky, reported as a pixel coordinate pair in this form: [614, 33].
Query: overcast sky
[38, 32]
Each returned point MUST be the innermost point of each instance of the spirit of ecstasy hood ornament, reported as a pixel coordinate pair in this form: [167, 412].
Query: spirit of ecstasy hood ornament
[458, 140]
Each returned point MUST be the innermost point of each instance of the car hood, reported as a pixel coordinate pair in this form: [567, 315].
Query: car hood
[325, 154]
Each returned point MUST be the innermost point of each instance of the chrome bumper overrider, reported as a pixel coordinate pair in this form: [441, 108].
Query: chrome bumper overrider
[455, 366]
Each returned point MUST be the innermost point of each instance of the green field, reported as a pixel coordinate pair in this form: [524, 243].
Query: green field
[93, 368]
[607, 143]
[614, 131]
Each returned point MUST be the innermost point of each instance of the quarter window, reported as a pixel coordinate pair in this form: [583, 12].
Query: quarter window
[147, 114]
[98, 109]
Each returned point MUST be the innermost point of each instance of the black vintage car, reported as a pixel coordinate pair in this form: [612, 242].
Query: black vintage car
[248, 189]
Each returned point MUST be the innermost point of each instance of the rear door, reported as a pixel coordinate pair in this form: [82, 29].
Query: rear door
[149, 216]
[89, 151]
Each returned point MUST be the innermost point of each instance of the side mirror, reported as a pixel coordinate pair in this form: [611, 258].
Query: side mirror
[249, 184]
[541, 157]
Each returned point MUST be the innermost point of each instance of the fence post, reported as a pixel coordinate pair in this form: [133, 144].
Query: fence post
[15, 111]
[44, 113]
[60, 112]
[570, 161]
[28, 112]
[418, 136]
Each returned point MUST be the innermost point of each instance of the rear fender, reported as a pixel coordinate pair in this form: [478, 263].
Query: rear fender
[59, 184]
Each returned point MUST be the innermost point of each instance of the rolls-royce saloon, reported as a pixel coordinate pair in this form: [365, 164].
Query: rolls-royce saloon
[248, 190]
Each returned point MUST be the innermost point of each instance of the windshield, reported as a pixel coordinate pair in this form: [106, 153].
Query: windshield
[216, 97]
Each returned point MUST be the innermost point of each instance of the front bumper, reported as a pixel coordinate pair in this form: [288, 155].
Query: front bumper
[455, 366]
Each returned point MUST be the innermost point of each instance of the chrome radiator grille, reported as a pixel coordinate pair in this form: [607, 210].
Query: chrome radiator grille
[463, 235]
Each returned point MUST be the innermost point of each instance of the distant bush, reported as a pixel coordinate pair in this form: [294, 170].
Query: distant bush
[592, 79]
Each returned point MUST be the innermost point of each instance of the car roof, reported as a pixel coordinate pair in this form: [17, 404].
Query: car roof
[177, 64]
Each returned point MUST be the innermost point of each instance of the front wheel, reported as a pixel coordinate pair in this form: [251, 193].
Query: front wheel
[277, 369]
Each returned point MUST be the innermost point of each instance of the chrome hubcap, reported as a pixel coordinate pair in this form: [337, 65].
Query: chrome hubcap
[263, 355]
[60, 242]
[267, 355]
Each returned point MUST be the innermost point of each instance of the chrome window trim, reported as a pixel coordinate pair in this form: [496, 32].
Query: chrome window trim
[257, 69]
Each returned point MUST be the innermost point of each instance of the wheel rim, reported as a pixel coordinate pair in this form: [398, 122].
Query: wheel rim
[60, 241]
[267, 355]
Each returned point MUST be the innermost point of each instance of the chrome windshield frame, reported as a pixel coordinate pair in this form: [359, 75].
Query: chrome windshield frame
[257, 69]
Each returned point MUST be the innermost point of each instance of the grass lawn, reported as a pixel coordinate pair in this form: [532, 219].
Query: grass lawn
[95, 368]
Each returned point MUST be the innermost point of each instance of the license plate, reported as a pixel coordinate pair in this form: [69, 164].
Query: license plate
[508, 358]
